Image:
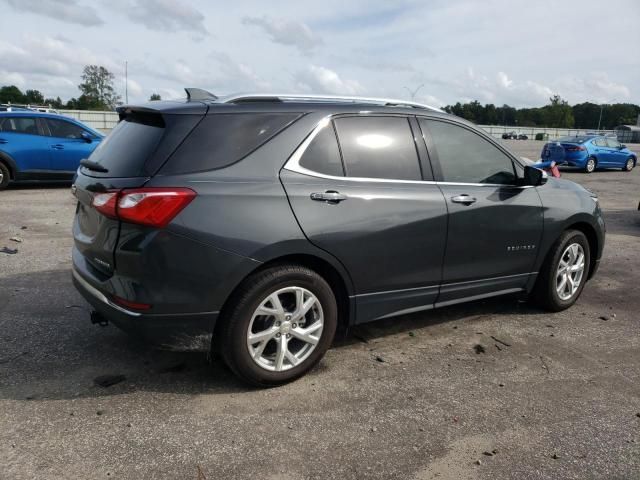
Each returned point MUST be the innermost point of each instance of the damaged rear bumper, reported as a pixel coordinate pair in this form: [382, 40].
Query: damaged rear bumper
[178, 332]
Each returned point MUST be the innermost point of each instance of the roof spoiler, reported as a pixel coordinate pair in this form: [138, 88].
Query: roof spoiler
[198, 94]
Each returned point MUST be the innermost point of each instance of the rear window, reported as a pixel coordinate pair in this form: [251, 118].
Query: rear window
[126, 149]
[222, 139]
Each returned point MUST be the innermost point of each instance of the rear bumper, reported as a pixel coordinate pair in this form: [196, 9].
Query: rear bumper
[180, 332]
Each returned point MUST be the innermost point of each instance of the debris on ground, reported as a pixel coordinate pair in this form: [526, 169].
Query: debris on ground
[9, 251]
[108, 380]
[374, 429]
[605, 318]
[479, 348]
[478, 462]
[500, 341]
[498, 347]
[380, 359]
[16, 239]
[411, 334]
[501, 384]
[23, 227]
[555, 456]
[100, 412]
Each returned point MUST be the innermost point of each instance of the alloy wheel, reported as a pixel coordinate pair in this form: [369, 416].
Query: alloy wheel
[628, 165]
[591, 165]
[570, 271]
[285, 329]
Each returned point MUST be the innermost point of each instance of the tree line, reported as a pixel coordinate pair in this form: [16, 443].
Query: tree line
[556, 114]
[96, 93]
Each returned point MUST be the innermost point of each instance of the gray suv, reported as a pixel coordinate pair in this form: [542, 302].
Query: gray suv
[255, 225]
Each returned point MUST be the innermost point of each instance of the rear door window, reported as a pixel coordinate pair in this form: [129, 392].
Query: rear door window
[323, 155]
[466, 157]
[64, 129]
[222, 139]
[19, 125]
[378, 147]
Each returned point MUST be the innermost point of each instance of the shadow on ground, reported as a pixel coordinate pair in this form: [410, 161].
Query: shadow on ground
[50, 350]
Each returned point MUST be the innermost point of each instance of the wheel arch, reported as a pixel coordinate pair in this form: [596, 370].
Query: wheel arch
[340, 285]
[10, 164]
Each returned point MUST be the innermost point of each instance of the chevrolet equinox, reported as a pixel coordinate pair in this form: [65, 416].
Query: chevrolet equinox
[254, 225]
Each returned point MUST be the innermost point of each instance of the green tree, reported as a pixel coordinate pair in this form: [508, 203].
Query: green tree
[11, 94]
[54, 102]
[154, 97]
[33, 97]
[558, 113]
[97, 89]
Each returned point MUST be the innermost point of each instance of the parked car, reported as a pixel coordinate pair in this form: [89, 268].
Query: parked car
[255, 225]
[522, 136]
[589, 152]
[38, 146]
[513, 135]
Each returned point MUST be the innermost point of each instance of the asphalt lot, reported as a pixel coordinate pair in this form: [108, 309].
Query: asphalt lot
[553, 395]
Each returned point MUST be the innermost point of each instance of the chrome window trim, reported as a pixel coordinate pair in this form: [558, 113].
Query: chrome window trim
[293, 165]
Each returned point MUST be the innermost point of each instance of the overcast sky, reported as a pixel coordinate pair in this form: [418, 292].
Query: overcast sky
[495, 51]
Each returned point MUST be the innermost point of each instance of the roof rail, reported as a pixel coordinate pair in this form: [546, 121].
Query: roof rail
[278, 97]
[199, 94]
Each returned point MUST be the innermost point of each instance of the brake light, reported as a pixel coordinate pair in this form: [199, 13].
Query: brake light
[106, 203]
[155, 207]
[575, 149]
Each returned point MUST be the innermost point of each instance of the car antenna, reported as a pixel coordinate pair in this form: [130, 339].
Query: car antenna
[199, 94]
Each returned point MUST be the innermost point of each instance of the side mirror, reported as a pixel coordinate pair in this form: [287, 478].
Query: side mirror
[622, 147]
[534, 176]
[86, 137]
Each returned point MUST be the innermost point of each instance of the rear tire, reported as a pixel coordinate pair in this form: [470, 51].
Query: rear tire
[267, 338]
[591, 165]
[564, 272]
[4, 176]
[628, 166]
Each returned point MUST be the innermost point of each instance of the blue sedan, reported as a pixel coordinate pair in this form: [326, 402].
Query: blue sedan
[42, 146]
[589, 152]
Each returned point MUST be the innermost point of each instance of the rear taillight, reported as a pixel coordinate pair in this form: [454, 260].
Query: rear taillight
[575, 149]
[155, 207]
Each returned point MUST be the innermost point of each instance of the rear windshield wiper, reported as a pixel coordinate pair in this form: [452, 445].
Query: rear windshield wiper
[95, 166]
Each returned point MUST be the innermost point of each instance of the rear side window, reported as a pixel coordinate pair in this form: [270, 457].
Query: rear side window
[466, 157]
[64, 129]
[600, 142]
[378, 147]
[222, 139]
[19, 125]
[323, 155]
[125, 150]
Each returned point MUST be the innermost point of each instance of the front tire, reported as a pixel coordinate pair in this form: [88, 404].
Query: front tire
[279, 324]
[628, 166]
[4, 176]
[564, 272]
[591, 165]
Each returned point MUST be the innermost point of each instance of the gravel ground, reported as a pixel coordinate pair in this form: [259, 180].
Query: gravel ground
[553, 395]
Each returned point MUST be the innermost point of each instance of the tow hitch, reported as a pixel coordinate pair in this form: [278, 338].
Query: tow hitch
[97, 318]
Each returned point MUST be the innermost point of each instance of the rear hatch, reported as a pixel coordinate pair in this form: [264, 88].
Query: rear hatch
[126, 159]
[553, 151]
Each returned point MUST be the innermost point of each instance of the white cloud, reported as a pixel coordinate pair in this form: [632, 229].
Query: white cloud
[64, 10]
[286, 32]
[323, 80]
[166, 15]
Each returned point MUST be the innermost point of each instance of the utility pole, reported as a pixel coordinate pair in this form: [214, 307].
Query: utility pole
[126, 82]
[413, 92]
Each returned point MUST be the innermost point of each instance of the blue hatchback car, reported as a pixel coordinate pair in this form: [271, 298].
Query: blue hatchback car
[38, 146]
[589, 152]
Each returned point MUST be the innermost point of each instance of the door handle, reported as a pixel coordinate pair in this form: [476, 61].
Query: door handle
[329, 196]
[57, 146]
[2, 140]
[464, 198]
